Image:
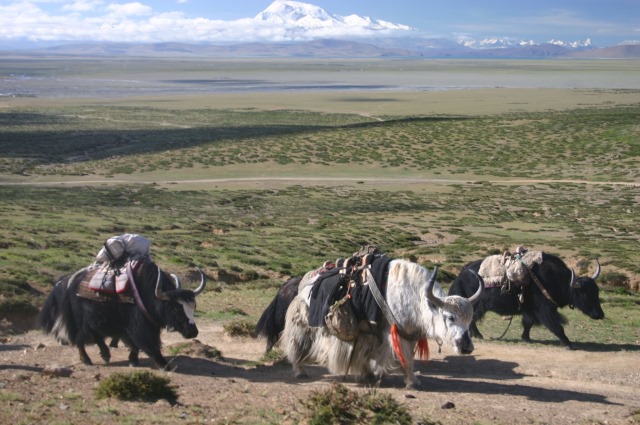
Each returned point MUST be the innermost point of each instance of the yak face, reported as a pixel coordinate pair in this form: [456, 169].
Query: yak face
[585, 295]
[180, 313]
[179, 305]
[456, 314]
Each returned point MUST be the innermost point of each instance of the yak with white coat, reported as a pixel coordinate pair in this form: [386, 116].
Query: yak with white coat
[420, 310]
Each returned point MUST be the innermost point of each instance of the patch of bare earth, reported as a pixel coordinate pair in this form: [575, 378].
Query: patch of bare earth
[498, 384]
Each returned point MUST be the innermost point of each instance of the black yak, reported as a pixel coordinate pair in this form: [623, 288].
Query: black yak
[156, 302]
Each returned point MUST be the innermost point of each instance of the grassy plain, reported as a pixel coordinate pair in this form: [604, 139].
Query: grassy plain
[256, 184]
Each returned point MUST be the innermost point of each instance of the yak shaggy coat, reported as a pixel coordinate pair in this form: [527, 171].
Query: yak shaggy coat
[372, 353]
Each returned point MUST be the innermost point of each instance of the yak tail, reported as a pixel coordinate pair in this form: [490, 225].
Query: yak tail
[56, 314]
[50, 311]
[267, 326]
[271, 323]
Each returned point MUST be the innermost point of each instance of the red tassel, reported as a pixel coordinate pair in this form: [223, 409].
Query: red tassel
[423, 349]
[395, 339]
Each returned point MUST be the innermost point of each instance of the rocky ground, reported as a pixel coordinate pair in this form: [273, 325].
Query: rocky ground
[500, 383]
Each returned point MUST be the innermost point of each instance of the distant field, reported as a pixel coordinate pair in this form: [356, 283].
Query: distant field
[315, 158]
[373, 87]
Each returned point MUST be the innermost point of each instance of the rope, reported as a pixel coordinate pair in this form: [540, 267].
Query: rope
[136, 295]
[537, 281]
[505, 331]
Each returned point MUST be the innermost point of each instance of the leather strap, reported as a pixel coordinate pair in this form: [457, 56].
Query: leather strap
[382, 303]
[136, 295]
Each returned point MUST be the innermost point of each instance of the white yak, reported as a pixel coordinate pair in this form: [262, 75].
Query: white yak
[420, 308]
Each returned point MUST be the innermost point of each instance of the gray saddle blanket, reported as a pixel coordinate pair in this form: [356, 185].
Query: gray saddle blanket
[497, 270]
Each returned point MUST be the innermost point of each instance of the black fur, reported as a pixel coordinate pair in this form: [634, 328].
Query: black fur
[536, 309]
[271, 323]
[88, 321]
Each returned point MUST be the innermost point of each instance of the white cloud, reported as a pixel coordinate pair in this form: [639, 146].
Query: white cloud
[129, 9]
[135, 21]
[83, 5]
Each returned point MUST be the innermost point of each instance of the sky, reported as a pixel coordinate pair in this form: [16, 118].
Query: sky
[604, 22]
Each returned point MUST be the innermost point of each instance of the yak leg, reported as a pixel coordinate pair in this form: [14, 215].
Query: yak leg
[156, 355]
[104, 350]
[555, 326]
[297, 337]
[410, 379]
[114, 342]
[527, 323]
[474, 331]
[134, 352]
[84, 357]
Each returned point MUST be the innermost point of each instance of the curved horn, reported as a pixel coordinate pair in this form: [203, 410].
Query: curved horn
[430, 296]
[572, 282]
[159, 293]
[203, 282]
[176, 281]
[476, 297]
[597, 273]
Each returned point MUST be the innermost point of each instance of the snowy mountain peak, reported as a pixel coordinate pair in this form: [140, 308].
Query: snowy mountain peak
[309, 16]
[496, 43]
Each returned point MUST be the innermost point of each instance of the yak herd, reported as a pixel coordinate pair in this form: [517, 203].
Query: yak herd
[365, 315]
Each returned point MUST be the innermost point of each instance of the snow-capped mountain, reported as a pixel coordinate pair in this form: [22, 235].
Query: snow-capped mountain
[497, 43]
[308, 16]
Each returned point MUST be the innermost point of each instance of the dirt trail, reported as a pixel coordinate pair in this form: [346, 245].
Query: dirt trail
[498, 384]
[12, 181]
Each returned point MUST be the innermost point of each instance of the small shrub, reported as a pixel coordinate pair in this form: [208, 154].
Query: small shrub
[240, 327]
[18, 305]
[274, 356]
[142, 386]
[339, 405]
[615, 279]
[235, 311]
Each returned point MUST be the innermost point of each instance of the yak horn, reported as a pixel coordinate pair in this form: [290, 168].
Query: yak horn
[572, 282]
[476, 297]
[176, 281]
[597, 273]
[430, 296]
[203, 282]
[159, 293]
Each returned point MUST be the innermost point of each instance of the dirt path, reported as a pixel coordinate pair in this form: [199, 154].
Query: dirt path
[498, 384]
[13, 181]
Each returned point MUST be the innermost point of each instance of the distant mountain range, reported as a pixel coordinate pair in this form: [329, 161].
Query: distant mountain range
[342, 36]
[381, 48]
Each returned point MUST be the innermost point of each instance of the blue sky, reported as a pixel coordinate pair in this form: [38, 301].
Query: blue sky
[605, 22]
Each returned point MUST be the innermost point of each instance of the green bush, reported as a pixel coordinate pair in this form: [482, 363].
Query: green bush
[18, 305]
[240, 327]
[339, 405]
[615, 279]
[142, 386]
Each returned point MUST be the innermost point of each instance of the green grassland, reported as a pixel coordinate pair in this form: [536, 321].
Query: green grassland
[258, 187]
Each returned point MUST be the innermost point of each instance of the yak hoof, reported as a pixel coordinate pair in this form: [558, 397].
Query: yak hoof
[302, 375]
[568, 347]
[372, 380]
[416, 385]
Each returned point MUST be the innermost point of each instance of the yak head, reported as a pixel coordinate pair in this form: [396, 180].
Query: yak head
[179, 305]
[454, 315]
[585, 294]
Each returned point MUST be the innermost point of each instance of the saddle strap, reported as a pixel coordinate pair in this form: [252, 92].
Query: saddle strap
[136, 295]
[537, 281]
[382, 303]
